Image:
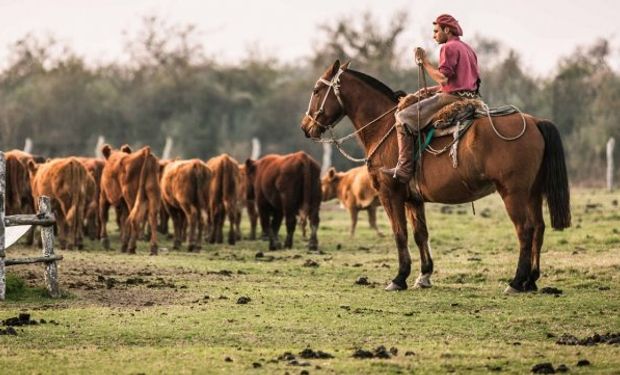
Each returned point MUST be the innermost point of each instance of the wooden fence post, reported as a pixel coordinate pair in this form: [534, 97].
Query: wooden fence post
[327, 158]
[100, 143]
[610, 163]
[47, 236]
[2, 254]
[255, 149]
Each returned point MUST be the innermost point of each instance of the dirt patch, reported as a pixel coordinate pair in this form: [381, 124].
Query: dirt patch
[609, 338]
[311, 263]
[583, 362]
[551, 290]
[379, 352]
[23, 319]
[243, 300]
[221, 272]
[307, 353]
[463, 278]
[114, 284]
[562, 368]
[543, 368]
[9, 331]
[311, 354]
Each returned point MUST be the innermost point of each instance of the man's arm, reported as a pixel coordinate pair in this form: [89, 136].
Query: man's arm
[436, 75]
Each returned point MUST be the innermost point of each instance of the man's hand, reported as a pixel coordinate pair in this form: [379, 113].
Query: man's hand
[420, 55]
[406, 101]
[423, 92]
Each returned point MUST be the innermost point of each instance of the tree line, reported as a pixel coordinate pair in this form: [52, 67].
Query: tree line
[170, 87]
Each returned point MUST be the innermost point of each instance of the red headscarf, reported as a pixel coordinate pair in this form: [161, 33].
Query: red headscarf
[446, 20]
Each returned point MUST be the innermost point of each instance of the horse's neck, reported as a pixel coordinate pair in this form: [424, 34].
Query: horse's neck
[364, 105]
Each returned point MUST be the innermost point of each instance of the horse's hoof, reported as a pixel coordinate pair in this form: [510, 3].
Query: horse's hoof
[423, 281]
[510, 290]
[530, 286]
[393, 287]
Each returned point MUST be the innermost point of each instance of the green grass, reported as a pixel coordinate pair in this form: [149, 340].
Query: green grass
[188, 321]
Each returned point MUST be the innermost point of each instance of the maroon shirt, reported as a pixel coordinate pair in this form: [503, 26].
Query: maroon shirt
[458, 62]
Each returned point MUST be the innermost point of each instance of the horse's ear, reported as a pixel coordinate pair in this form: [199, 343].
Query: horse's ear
[345, 66]
[106, 150]
[335, 67]
[331, 172]
[32, 167]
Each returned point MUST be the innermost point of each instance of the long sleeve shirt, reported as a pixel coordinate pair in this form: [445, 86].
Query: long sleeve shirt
[459, 63]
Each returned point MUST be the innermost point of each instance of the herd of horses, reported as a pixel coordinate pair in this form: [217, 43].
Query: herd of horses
[199, 196]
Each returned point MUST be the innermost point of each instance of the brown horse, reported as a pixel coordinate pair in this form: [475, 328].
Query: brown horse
[522, 171]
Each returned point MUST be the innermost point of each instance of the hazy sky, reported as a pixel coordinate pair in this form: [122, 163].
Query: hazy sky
[541, 31]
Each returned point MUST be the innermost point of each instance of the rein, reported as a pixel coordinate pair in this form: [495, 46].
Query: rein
[335, 85]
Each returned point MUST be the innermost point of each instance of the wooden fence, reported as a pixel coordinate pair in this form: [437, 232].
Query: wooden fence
[45, 219]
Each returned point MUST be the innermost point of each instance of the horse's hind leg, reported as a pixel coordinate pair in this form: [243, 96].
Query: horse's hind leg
[416, 214]
[518, 212]
[536, 216]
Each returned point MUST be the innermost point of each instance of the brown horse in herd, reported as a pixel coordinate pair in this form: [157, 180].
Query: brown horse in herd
[129, 183]
[285, 186]
[522, 171]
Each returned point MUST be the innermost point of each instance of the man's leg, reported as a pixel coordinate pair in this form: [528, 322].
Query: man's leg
[403, 171]
[408, 118]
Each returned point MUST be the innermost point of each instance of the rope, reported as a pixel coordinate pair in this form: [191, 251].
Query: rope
[419, 136]
[485, 106]
[339, 141]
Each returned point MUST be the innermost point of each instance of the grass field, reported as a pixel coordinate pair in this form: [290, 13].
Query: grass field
[179, 312]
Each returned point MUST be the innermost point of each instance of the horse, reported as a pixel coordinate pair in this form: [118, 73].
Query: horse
[523, 171]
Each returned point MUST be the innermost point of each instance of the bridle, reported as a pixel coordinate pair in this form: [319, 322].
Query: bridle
[335, 85]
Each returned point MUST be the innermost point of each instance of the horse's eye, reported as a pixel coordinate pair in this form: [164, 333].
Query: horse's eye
[315, 91]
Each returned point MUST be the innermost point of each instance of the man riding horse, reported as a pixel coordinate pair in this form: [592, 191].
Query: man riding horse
[458, 78]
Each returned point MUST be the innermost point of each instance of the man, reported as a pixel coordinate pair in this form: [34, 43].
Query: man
[458, 78]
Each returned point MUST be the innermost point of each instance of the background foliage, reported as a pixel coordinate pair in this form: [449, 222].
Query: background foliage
[170, 88]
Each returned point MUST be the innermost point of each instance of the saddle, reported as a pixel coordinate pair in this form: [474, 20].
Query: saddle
[457, 112]
[455, 119]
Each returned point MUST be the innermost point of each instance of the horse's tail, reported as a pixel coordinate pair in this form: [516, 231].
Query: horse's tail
[554, 177]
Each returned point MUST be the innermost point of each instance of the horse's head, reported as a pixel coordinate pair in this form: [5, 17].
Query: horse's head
[326, 107]
[329, 184]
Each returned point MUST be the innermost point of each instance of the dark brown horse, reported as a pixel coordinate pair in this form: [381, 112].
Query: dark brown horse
[523, 171]
[283, 187]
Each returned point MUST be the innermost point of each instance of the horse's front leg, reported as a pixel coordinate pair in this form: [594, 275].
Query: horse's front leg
[417, 215]
[394, 205]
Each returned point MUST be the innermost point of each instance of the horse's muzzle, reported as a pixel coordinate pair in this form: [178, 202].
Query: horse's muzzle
[306, 126]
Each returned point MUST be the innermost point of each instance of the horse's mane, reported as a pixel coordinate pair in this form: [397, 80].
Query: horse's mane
[375, 83]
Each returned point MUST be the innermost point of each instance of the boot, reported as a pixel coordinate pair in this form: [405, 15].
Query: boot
[403, 171]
